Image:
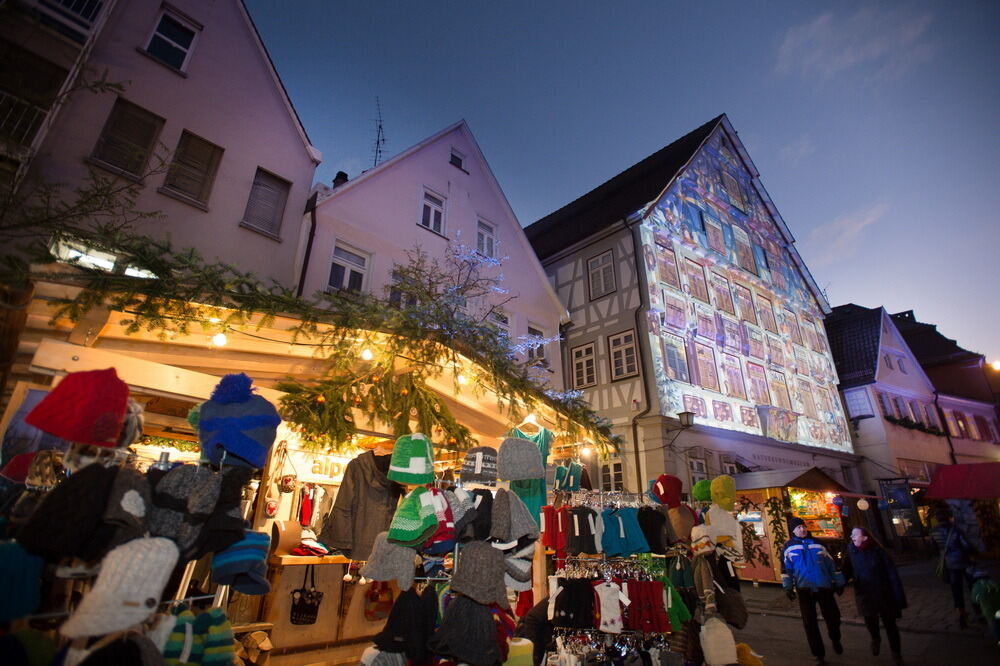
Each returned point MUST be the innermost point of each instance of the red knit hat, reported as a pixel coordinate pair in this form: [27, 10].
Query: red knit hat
[16, 469]
[86, 407]
[668, 489]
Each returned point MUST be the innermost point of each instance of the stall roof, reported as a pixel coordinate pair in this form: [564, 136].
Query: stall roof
[810, 479]
[969, 481]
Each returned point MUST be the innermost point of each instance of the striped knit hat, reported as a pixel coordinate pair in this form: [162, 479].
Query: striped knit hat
[480, 465]
[412, 460]
[415, 520]
[243, 566]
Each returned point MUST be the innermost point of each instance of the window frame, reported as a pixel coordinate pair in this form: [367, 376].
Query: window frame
[349, 267]
[460, 162]
[489, 234]
[697, 472]
[185, 22]
[244, 222]
[121, 106]
[612, 476]
[209, 175]
[719, 284]
[694, 272]
[623, 350]
[679, 346]
[600, 269]
[440, 207]
[536, 352]
[589, 351]
[713, 365]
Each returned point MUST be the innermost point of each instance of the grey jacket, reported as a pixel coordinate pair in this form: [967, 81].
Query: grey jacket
[365, 504]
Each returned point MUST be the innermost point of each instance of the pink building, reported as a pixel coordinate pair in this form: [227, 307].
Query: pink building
[200, 93]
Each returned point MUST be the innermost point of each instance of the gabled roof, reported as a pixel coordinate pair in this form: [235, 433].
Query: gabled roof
[928, 344]
[617, 198]
[855, 334]
[314, 154]
[808, 479]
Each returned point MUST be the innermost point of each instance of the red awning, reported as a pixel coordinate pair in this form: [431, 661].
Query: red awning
[971, 481]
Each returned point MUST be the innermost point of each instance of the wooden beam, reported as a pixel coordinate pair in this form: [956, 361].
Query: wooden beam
[88, 329]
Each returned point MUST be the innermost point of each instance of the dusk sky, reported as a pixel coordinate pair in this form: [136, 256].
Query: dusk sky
[874, 125]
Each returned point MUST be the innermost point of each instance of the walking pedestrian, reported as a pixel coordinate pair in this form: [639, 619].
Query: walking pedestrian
[956, 559]
[878, 592]
[809, 574]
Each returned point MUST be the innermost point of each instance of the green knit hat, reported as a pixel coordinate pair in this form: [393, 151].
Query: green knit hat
[702, 491]
[414, 518]
[412, 460]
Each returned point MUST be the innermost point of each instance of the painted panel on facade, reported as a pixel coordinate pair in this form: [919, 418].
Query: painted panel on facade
[713, 234]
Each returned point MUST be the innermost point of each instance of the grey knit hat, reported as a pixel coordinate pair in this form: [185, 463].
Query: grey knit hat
[479, 574]
[128, 506]
[511, 520]
[467, 633]
[464, 511]
[480, 465]
[519, 460]
[389, 561]
[517, 567]
[183, 501]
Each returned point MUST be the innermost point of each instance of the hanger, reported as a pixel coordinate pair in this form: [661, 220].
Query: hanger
[530, 420]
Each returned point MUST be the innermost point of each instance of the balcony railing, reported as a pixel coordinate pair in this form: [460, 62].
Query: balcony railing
[19, 120]
[73, 18]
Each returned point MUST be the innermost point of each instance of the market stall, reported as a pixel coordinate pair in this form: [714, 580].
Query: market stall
[973, 493]
[766, 499]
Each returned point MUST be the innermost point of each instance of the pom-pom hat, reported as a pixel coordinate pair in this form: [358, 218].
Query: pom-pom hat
[237, 421]
[86, 407]
[412, 460]
[127, 590]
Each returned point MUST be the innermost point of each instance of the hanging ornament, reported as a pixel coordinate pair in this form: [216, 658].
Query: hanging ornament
[357, 400]
[404, 392]
[863, 504]
[413, 412]
[452, 441]
[321, 398]
[437, 408]
[347, 417]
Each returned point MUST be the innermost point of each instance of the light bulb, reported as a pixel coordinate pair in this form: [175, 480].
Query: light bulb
[462, 380]
[219, 339]
[367, 355]
[585, 451]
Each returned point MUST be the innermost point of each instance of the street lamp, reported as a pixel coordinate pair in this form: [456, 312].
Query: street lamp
[686, 419]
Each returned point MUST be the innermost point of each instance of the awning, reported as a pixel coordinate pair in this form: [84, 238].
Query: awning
[969, 481]
[812, 478]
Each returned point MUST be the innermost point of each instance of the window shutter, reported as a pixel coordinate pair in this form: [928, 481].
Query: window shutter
[193, 168]
[128, 138]
[266, 203]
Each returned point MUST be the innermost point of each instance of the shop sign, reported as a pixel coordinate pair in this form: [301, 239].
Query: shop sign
[315, 467]
[902, 511]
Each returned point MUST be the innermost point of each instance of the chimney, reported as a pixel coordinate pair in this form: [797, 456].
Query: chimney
[339, 179]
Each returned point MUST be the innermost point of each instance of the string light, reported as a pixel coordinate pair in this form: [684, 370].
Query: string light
[366, 354]
[220, 340]
[461, 379]
[586, 451]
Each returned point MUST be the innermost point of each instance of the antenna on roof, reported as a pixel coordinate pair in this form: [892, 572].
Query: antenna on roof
[379, 146]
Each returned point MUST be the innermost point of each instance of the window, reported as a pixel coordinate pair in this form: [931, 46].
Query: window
[734, 377]
[128, 138]
[716, 239]
[696, 280]
[744, 250]
[432, 216]
[964, 429]
[624, 362]
[666, 266]
[500, 321]
[457, 159]
[601, 274]
[983, 428]
[779, 391]
[723, 296]
[708, 376]
[674, 310]
[705, 323]
[584, 367]
[858, 404]
[792, 326]
[731, 338]
[675, 362]
[396, 296]
[755, 341]
[698, 469]
[266, 205]
[759, 393]
[932, 416]
[612, 477]
[486, 239]
[952, 422]
[887, 360]
[193, 169]
[172, 40]
[536, 352]
[915, 470]
[348, 268]
[744, 301]
[973, 428]
[901, 364]
[766, 314]
[808, 402]
[886, 404]
[775, 351]
[730, 468]
[733, 191]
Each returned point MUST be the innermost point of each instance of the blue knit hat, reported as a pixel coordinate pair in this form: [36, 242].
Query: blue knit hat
[243, 565]
[237, 421]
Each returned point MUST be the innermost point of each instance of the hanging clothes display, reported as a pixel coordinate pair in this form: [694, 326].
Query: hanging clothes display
[532, 491]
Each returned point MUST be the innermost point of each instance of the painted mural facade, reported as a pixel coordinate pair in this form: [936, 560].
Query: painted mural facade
[736, 334]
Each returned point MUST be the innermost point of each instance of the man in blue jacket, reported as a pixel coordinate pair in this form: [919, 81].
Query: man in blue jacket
[808, 571]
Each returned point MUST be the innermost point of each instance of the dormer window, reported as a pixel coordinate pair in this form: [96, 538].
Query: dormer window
[457, 159]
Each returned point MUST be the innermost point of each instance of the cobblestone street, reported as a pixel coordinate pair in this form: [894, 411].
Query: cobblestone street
[929, 626]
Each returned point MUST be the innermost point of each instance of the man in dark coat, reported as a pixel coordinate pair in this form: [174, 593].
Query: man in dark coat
[878, 592]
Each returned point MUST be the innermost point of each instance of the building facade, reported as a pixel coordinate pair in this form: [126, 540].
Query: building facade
[438, 193]
[201, 120]
[686, 294]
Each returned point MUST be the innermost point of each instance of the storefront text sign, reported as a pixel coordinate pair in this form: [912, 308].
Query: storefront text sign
[314, 467]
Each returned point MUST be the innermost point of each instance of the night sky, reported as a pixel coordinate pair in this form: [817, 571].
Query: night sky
[874, 125]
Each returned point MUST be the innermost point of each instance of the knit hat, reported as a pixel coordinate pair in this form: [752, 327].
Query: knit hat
[16, 469]
[129, 505]
[225, 526]
[183, 500]
[668, 489]
[483, 522]
[213, 638]
[479, 574]
[464, 511]
[389, 561]
[67, 522]
[651, 494]
[480, 465]
[724, 491]
[127, 590]
[243, 565]
[717, 643]
[517, 567]
[793, 522]
[467, 633]
[519, 460]
[511, 520]
[86, 407]
[443, 538]
[20, 580]
[180, 641]
[702, 491]
[237, 421]
[412, 460]
[414, 520]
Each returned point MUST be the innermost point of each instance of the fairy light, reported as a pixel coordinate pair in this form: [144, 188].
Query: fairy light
[366, 354]
[220, 340]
